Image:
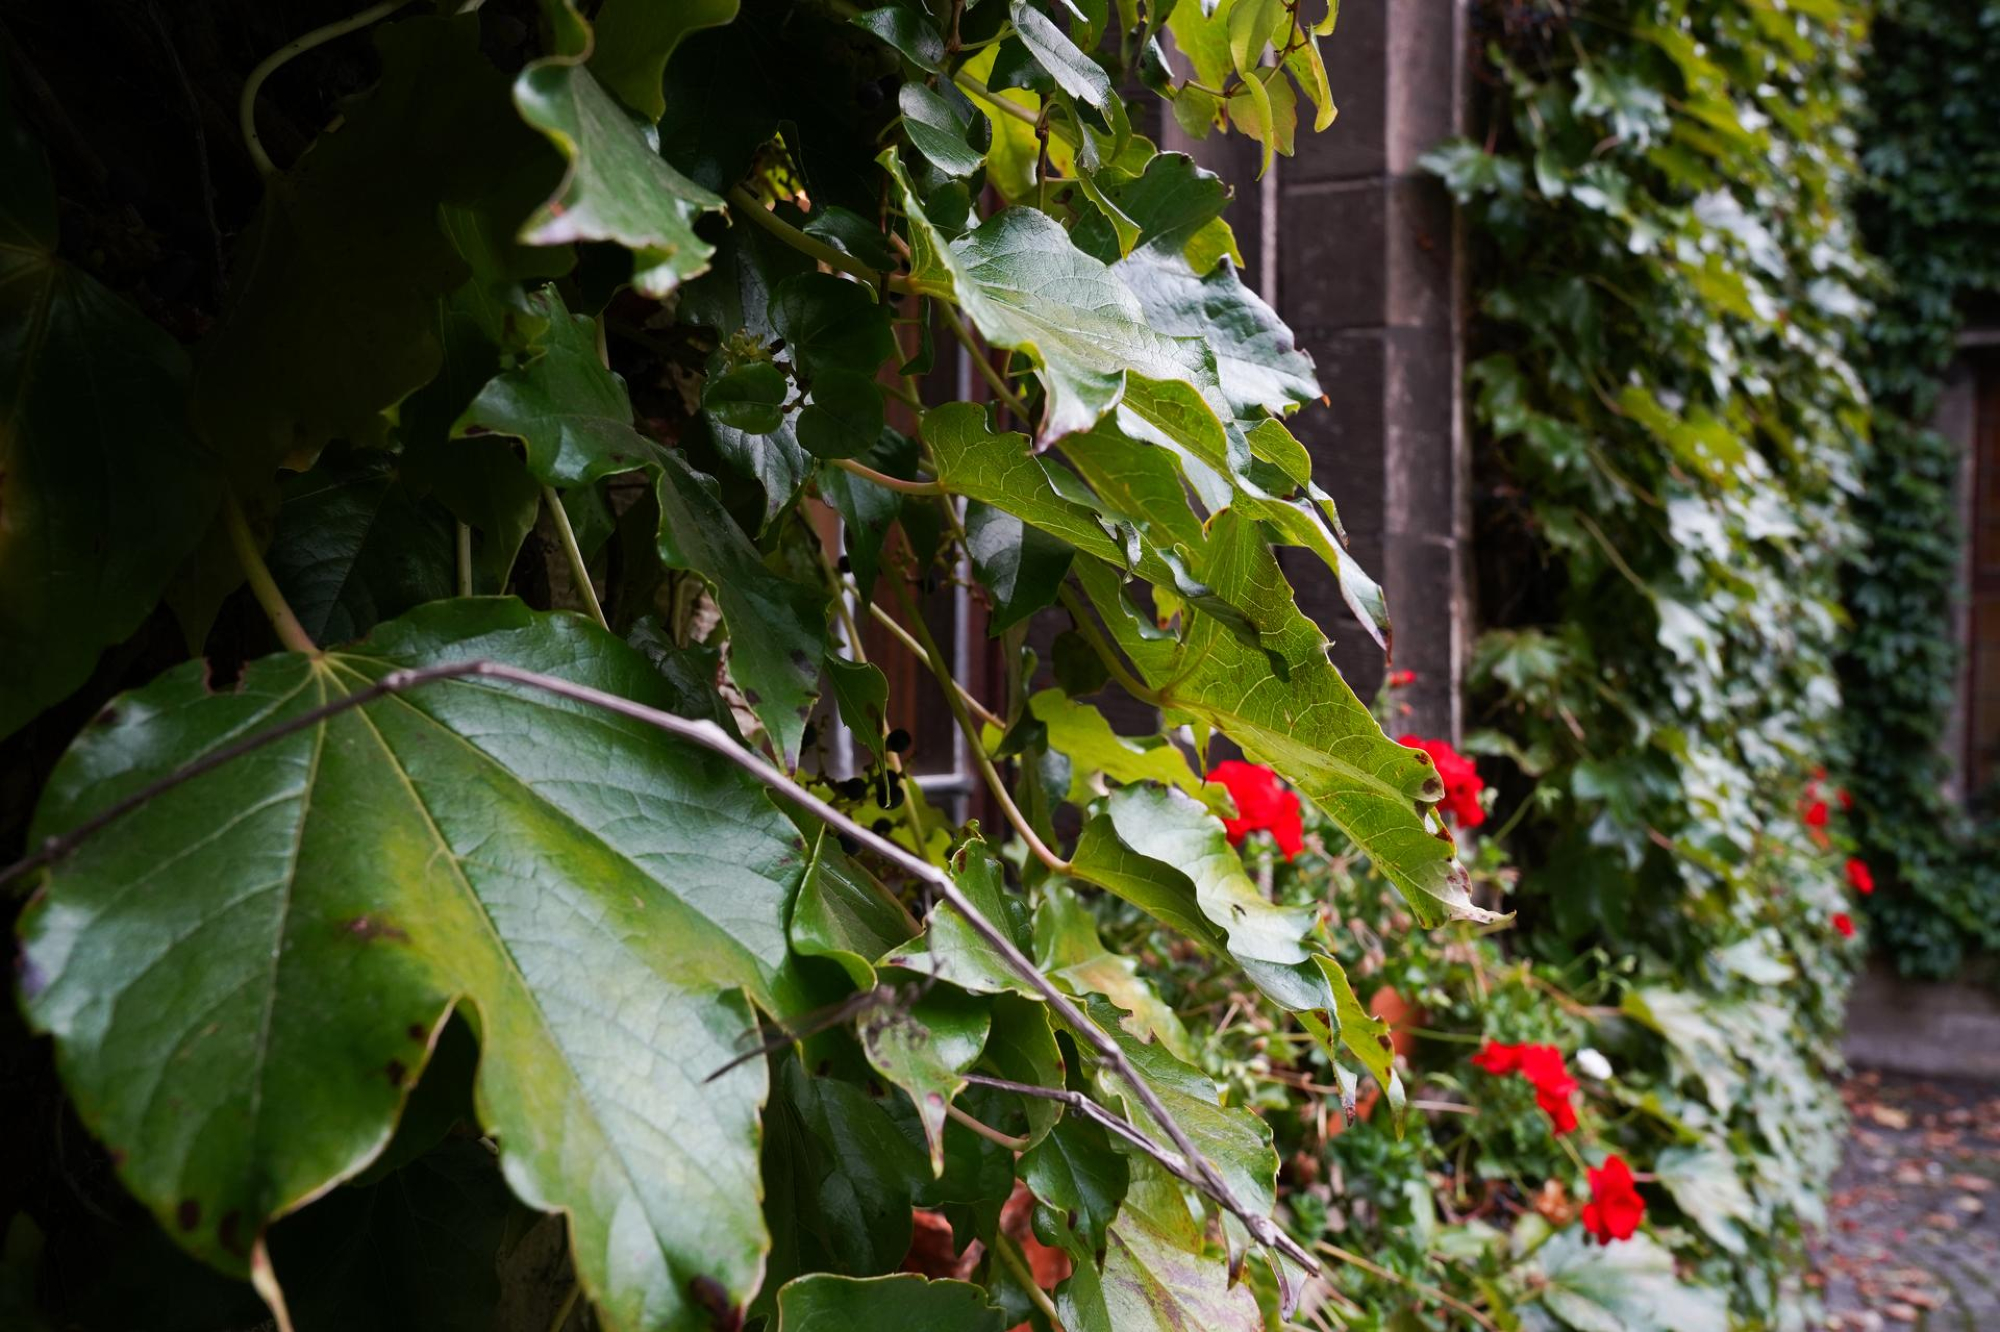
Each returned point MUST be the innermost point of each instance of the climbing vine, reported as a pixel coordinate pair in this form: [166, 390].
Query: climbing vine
[1932, 157]
[1670, 293]
[488, 877]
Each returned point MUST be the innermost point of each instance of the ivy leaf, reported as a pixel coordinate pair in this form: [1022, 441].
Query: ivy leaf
[950, 949]
[1076, 1171]
[618, 187]
[909, 32]
[841, 1175]
[245, 1036]
[777, 628]
[1080, 731]
[1303, 722]
[331, 318]
[1022, 567]
[830, 323]
[1022, 1048]
[572, 414]
[843, 415]
[749, 399]
[1028, 288]
[354, 547]
[845, 915]
[926, 1049]
[1074, 72]
[1156, 1276]
[822, 1303]
[1365, 1035]
[636, 38]
[939, 130]
[1068, 949]
[1705, 1184]
[1235, 1141]
[774, 460]
[95, 400]
[862, 692]
[1260, 366]
[1178, 207]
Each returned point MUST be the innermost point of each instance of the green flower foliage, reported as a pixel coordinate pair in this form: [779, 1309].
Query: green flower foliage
[1932, 157]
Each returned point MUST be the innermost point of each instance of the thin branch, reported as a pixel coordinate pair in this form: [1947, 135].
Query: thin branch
[987, 1131]
[1008, 107]
[246, 105]
[1016, 1263]
[896, 483]
[579, 571]
[902, 635]
[812, 246]
[994, 379]
[954, 697]
[1189, 1164]
[464, 560]
[1356, 1260]
[258, 574]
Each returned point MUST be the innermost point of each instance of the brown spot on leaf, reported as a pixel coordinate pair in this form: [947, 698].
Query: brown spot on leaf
[368, 929]
[1385, 1042]
[188, 1214]
[723, 1315]
[396, 1071]
[418, 1032]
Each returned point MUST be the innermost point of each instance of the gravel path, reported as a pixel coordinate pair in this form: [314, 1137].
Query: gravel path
[1914, 1234]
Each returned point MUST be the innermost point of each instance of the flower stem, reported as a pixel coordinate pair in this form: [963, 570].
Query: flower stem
[258, 574]
[579, 572]
[987, 1131]
[246, 104]
[1016, 1264]
[994, 379]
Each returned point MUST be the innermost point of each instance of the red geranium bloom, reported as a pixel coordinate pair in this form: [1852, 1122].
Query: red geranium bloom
[1860, 876]
[1542, 1066]
[1816, 814]
[1402, 679]
[1615, 1208]
[1844, 924]
[1263, 804]
[1846, 800]
[1461, 780]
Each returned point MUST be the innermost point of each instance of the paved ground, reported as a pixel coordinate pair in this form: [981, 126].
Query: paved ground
[1914, 1240]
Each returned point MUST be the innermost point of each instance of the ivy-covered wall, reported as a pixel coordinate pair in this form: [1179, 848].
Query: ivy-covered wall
[1931, 212]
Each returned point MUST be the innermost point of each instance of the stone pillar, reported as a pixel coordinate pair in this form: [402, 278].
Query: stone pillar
[1368, 275]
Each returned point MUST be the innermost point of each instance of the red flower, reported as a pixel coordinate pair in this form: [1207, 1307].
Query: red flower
[1461, 780]
[1402, 679]
[1816, 814]
[1542, 1066]
[1859, 875]
[1846, 800]
[1843, 924]
[1263, 804]
[1615, 1208]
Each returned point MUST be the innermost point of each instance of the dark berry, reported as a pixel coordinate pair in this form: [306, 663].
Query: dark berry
[899, 741]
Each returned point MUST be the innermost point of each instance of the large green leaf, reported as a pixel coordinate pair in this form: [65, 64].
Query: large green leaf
[1081, 732]
[96, 446]
[1076, 1171]
[1629, 1286]
[1020, 566]
[331, 319]
[1706, 1185]
[924, 1047]
[618, 187]
[847, 1304]
[1289, 708]
[951, 950]
[843, 914]
[245, 975]
[1069, 951]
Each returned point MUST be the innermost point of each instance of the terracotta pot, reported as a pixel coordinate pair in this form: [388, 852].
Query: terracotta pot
[1402, 1016]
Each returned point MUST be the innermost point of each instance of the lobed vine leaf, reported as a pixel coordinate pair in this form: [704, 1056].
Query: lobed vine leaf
[241, 1008]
